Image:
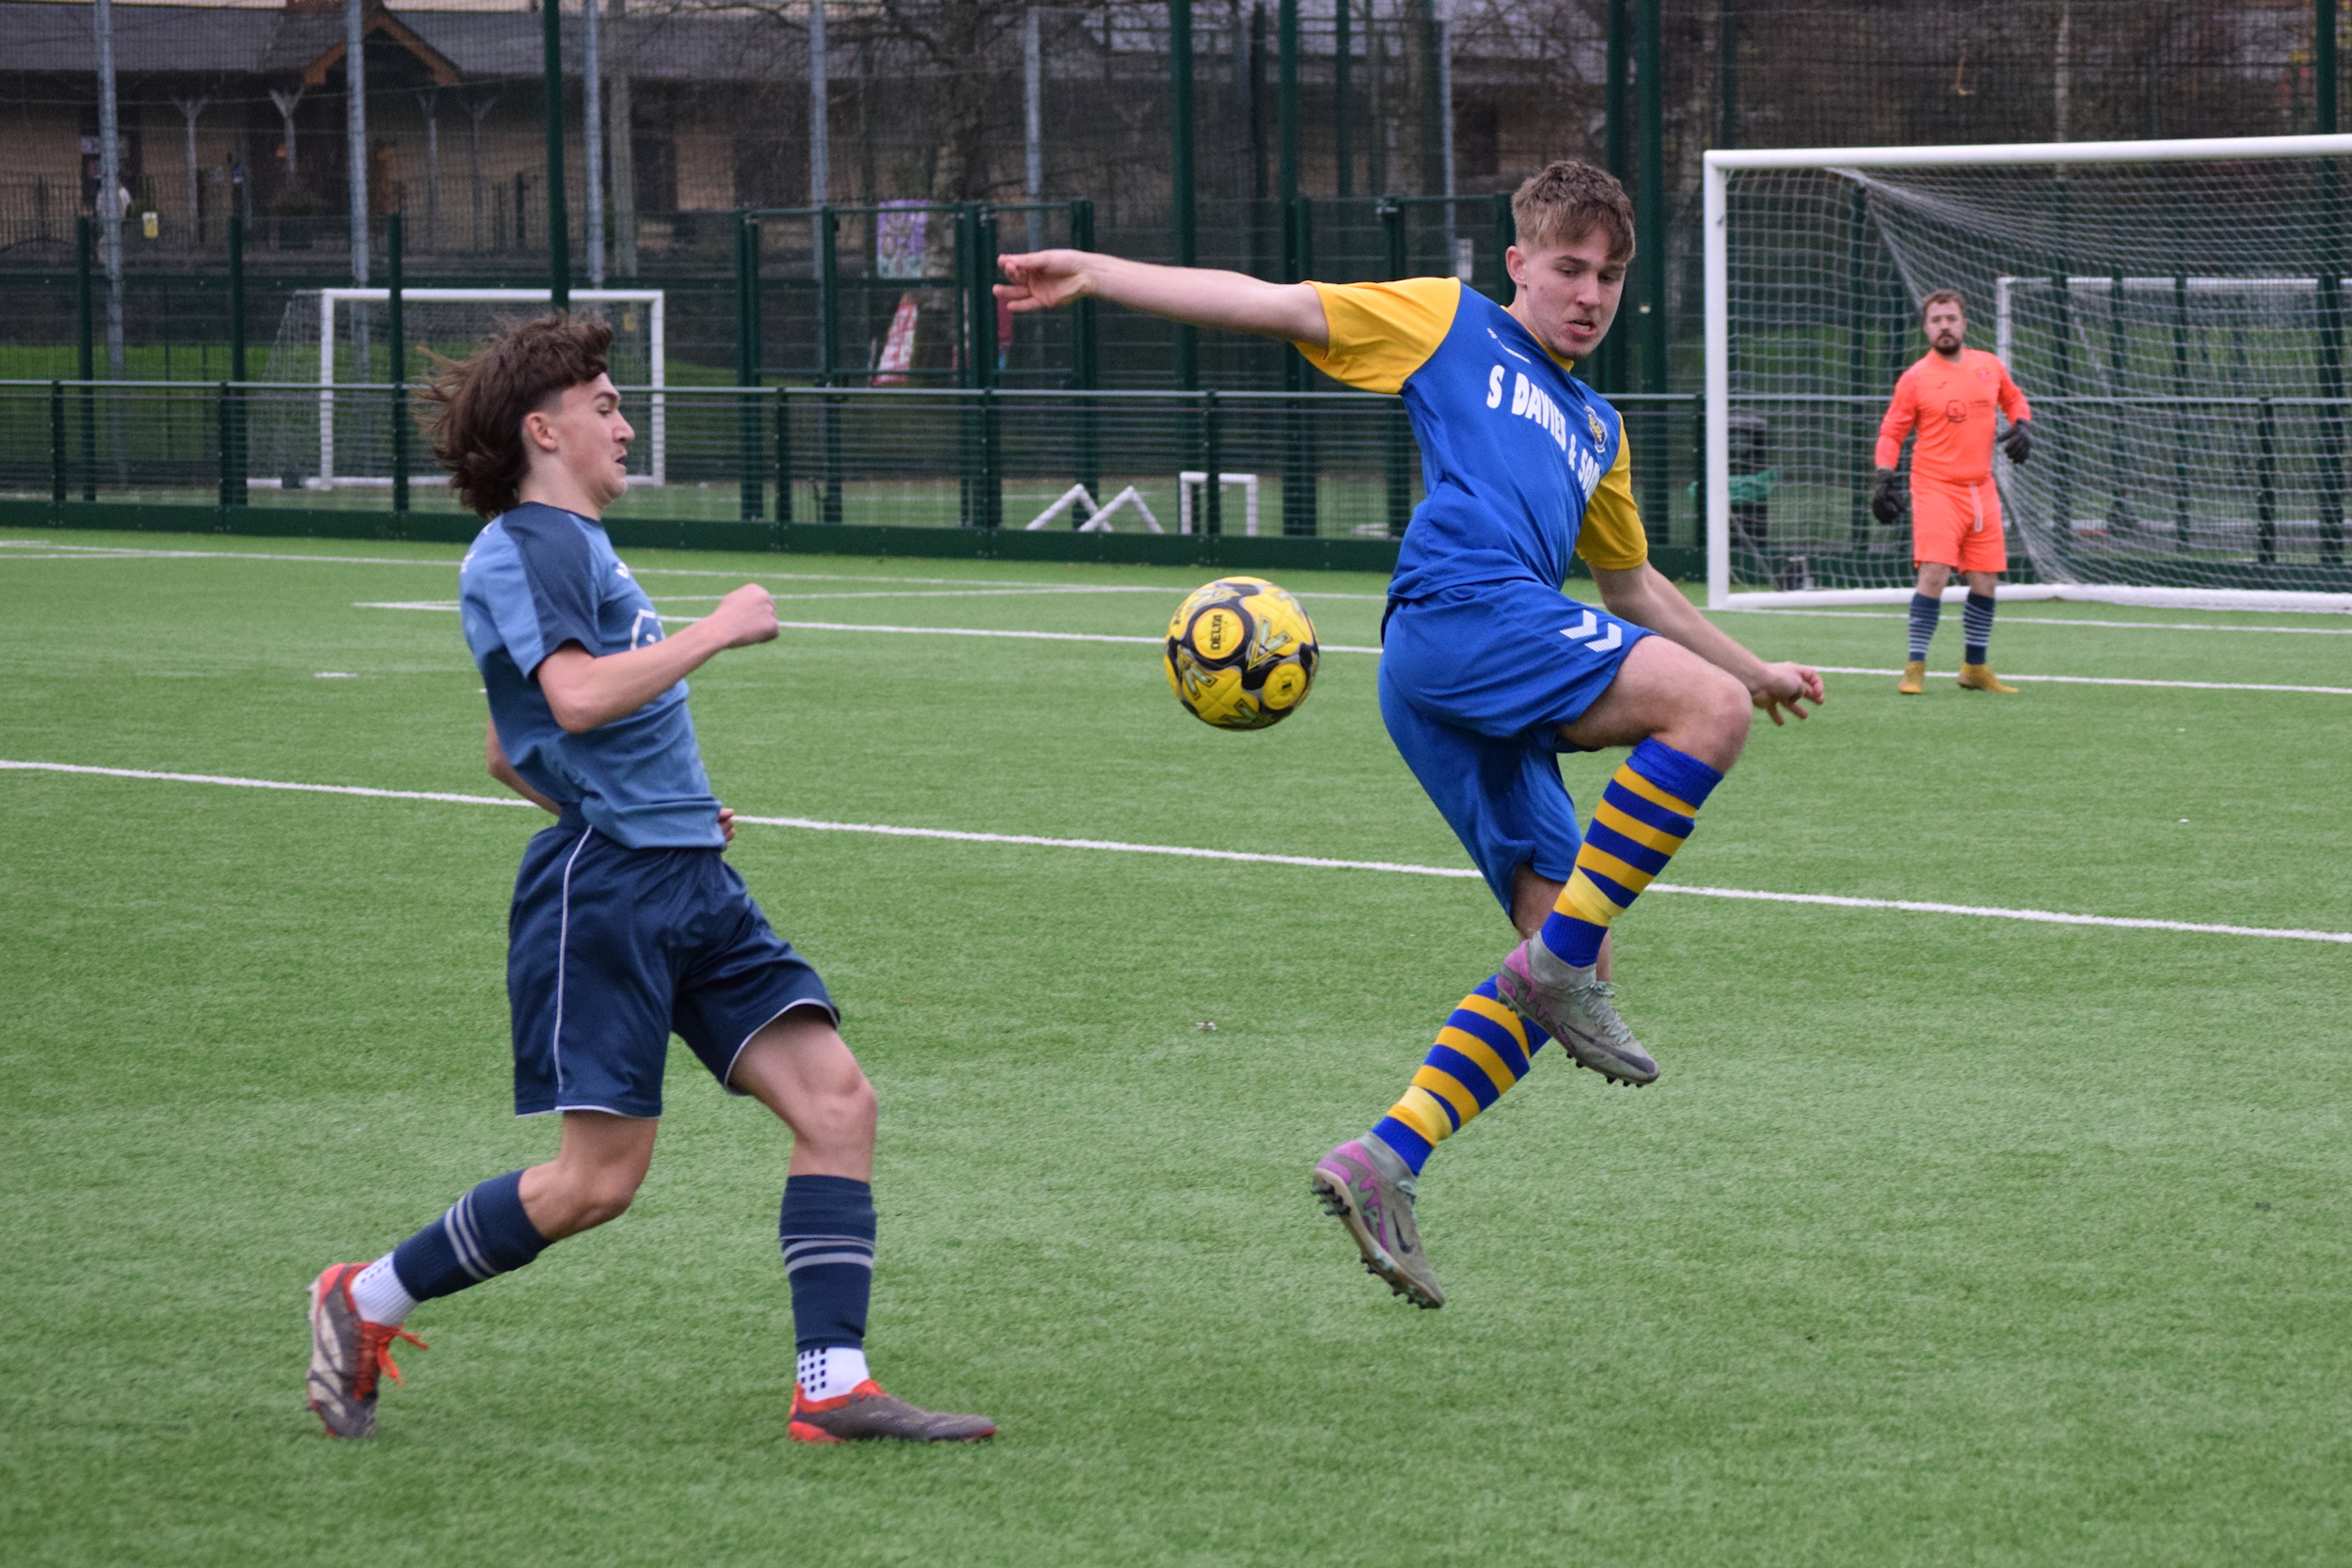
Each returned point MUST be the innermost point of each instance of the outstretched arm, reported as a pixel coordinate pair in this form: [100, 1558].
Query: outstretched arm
[1644, 597]
[1231, 301]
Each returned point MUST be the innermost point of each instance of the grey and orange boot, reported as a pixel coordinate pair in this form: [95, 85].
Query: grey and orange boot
[349, 1355]
[1369, 1189]
[866, 1412]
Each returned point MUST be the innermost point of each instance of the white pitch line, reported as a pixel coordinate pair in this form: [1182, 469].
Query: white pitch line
[899, 594]
[2120, 680]
[808, 824]
[1356, 648]
[912, 632]
[2028, 620]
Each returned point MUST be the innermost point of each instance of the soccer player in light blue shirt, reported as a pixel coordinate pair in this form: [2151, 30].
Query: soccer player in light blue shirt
[1488, 672]
[628, 923]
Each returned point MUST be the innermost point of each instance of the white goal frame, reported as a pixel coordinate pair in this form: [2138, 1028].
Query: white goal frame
[657, 433]
[1720, 164]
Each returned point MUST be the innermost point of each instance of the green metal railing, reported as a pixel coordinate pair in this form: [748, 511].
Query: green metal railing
[978, 458]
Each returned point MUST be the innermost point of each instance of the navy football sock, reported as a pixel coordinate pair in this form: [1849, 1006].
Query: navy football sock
[1926, 610]
[1976, 617]
[827, 1229]
[486, 1233]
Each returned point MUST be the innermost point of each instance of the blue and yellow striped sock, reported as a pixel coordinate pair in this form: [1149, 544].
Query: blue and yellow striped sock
[1644, 816]
[1483, 1049]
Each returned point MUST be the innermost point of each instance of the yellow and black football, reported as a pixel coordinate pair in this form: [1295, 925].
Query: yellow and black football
[1240, 654]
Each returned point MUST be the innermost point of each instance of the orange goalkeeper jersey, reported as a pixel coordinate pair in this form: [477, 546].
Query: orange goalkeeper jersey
[1952, 407]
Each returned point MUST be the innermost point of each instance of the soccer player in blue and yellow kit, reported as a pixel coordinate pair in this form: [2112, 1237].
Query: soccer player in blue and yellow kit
[628, 923]
[1486, 671]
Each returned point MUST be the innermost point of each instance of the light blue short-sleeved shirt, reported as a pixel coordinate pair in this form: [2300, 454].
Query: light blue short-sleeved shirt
[536, 578]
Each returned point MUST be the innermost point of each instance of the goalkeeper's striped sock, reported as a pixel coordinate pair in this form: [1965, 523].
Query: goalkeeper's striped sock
[1926, 610]
[1977, 618]
[1644, 816]
[1483, 1049]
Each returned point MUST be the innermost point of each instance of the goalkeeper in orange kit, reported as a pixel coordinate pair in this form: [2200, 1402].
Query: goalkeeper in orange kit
[1949, 397]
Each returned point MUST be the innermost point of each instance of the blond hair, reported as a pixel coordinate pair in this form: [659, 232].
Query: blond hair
[1569, 200]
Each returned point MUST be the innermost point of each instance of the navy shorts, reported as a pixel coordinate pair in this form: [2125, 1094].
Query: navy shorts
[610, 950]
[1475, 683]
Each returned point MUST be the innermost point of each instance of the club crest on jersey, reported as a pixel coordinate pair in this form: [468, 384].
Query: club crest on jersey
[1600, 433]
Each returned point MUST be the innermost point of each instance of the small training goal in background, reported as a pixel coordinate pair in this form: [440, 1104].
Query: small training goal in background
[341, 341]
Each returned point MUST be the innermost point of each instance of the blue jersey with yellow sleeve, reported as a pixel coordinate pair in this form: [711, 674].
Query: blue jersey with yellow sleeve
[1523, 463]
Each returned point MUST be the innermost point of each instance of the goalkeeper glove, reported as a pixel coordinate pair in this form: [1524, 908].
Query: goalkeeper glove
[2017, 443]
[1886, 501]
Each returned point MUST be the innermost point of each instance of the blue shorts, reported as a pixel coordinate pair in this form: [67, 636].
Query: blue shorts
[1475, 683]
[609, 949]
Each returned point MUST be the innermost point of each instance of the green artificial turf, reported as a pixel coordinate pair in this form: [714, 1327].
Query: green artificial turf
[1942, 1240]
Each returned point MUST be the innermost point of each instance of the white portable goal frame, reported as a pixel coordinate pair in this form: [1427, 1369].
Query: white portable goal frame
[1720, 164]
[657, 434]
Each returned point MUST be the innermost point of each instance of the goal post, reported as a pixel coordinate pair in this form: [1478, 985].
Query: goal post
[349, 321]
[2177, 312]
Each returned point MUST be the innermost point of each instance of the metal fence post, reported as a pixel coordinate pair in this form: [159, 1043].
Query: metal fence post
[1399, 443]
[829, 356]
[235, 494]
[57, 443]
[89, 370]
[1085, 363]
[783, 455]
[980, 230]
[1300, 460]
[1186, 346]
[747, 365]
[225, 448]
[397, 326]
[559, 224]
[1211, 465]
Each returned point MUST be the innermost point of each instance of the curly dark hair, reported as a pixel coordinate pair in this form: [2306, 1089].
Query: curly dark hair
[478, 403]
[1569, 199]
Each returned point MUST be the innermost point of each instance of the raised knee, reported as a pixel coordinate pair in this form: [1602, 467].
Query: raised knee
[600, 1197]
[856, 1106]
[1730, 706]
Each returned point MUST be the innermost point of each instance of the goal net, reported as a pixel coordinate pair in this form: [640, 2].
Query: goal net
[2175, 313]
[339, 341]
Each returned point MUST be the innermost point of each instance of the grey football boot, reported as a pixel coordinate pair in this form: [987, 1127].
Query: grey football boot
[1371, 1190]
[349, 1355]
[1577, 1007]
[866, 1413]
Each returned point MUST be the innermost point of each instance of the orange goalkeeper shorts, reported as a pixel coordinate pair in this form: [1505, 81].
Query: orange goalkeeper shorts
[1957, 524]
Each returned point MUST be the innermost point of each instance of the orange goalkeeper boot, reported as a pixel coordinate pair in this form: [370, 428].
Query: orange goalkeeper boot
[1979, 677]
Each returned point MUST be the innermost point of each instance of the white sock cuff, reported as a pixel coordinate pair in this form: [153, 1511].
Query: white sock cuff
[830, 1372]
[379, 1294]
